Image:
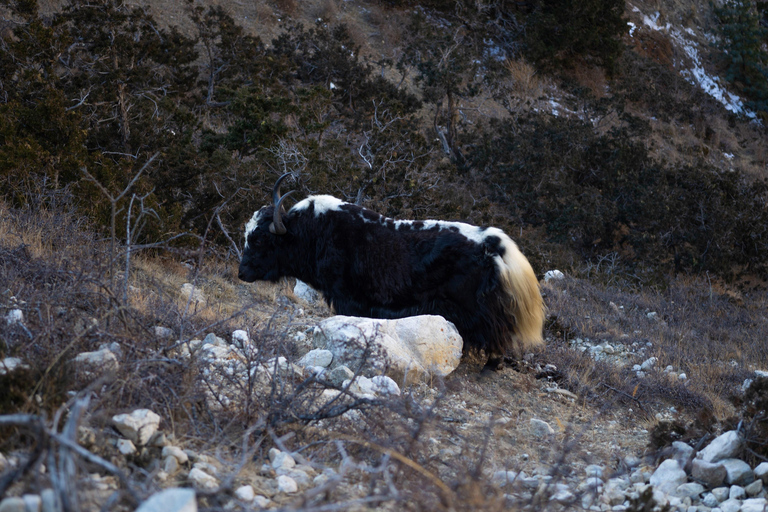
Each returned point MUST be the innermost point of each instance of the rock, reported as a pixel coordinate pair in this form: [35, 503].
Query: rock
[754, 505]
[737, 472]
[730, 505]
[736, 492]
[32, 502]
[721, 493]
[709, 500]
[171, 465]
[683, 454]
[262, 502]
[594, 470]
[338, 375]
[50, 501]
[178, 453]
[754, 488]
[11, 364]
[709, 473]
[408, 349]
[383, 385]
[240, 338]
[316, 357]
[170, 500]
[503, 478]
[724, 446]
[202, 480]
[761, 472]
[192, 295]
[138, 426]
[668, 476]
[12, 504]
[553, 274]
[648, 364]
[690, 490]
[301, 478]
[126, 447]
[14, 316]
[281, 460]
[305, 292]
[245, 493]
[100, 361]
[541, 428]
[287, 484]
[163, 332]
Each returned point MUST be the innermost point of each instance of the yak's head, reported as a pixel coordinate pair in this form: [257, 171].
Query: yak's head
[263, 239]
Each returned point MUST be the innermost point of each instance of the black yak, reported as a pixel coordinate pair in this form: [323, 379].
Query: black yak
[369, 265]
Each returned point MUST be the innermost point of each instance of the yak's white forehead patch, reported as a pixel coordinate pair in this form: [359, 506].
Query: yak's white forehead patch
[252, 224]
[323, 204]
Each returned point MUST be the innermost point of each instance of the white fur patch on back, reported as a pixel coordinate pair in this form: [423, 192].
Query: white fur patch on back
[323, 204]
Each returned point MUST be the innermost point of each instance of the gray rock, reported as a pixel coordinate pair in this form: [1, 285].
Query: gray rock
[668, 476]
[721, 493]
[305, 292]
[32, 502]
[383, 385]
[138, 426]
[11, 364]
[761, 472]
[12, 504]
[730, 505]
[163, 332]
[683, 454]
[412, 348]
[594, 470]
[549, 275]
[317, 357]
[338, 375]
[737, 492]
[170, 500]
[193, 295]
[690, 490]
[503, 478]
[50, 501]
[541, 428]
[754, 488]
[178, 453]
[281, 460]
[711, 474]
[737, 472]
[709, 500]
[202, 480]
[287, 484]
[754, 505]
[648, 364]
[93, 363]
[725, 446]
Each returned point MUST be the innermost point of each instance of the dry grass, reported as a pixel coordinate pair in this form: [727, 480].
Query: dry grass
[525, 83]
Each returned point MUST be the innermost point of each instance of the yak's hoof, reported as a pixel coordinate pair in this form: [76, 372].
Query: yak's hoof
[495, 363]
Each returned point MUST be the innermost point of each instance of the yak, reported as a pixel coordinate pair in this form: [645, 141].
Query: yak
[372, 266]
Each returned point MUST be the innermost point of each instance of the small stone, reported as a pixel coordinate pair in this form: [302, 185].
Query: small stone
[541, 428]
[503, 478]
[594, 470]
[754, 505]
[202, 480]
[553, 274]
[32, 502]
[338, 375]
[754, 488]
[126, 447]
[11, 364]
[97, 362]
[737, 472]
[721, 493]
[683, 454]
[383, 385]
[724, 446]
[682, 376]
[709, 473]
[305, 292]
[176, 452]
[648, 364]
[691, 490]
[668, 476]
[709, 500]
[287, 484]
[282, 460]
[316, 357]
[12, 504]
[138, 426]
[736, 492]
[50, 501]
[240, 338]
[170, 500]
[262, 501]
[761, 472]
[171, 465]
[245, 493]
[730, 505]
[163, 332]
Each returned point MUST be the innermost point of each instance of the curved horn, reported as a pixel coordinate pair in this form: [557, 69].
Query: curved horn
[277, 227]
[276, 189]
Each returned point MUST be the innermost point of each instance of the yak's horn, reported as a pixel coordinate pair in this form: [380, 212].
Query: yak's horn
[277, 227]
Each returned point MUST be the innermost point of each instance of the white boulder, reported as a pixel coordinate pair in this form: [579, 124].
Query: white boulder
[413, 347]
[170, 500]
[724, 446]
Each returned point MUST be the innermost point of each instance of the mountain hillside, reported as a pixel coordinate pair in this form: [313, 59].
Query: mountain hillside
[621, 144]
